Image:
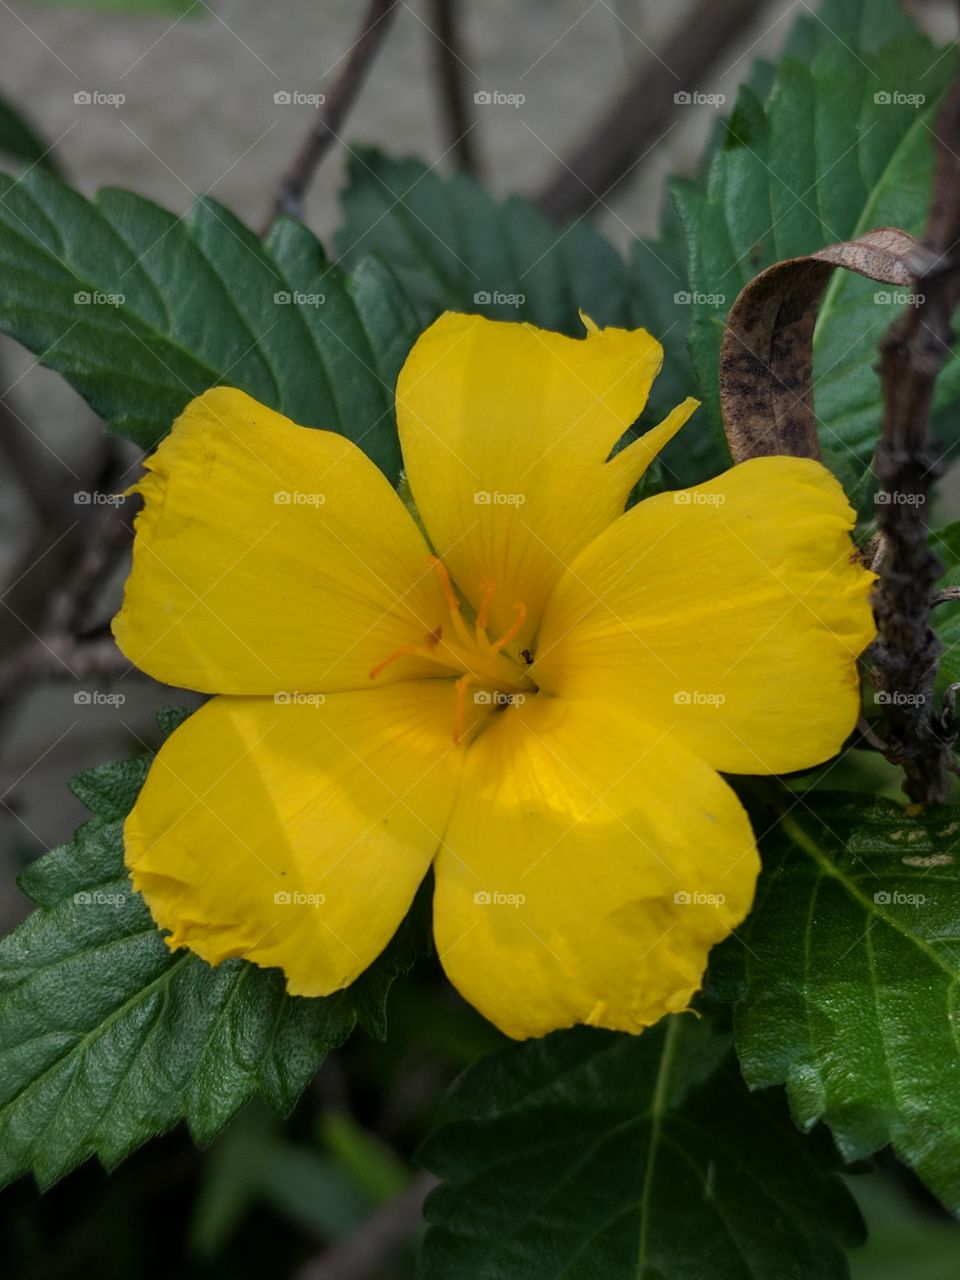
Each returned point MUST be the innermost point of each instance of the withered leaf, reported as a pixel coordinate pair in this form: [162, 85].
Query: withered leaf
[766, 357]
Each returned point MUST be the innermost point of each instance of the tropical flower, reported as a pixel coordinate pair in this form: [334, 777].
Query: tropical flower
[533, 693]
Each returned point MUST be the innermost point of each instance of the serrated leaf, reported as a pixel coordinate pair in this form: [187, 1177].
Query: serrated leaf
[825, 158]
[591, 1153]
[850, 969]
[20, 141]
[109, 1038]
[455, 247]
[141, 311]
[864, 25]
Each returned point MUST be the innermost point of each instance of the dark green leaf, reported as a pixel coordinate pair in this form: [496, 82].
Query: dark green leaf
[141, 311]
[591, 1154]
[832, 152]
[20, 141]
[454, 247]
[109, 1038]
[850, 965]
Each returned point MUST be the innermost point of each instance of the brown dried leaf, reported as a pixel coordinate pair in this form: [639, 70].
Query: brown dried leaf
[766, 357]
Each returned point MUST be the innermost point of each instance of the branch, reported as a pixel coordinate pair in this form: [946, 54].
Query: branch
[362, 1254]
[293, 186]
[914, 350]
[453, 96]
[638, 117]
[61, 656]
[41, 612]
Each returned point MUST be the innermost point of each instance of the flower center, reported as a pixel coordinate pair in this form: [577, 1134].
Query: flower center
[484, 664]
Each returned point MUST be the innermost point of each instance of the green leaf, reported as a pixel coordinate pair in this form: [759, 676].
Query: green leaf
[454, 247]
[141, 311]
[109, 1038]
[850, 969]
[20, 141]
[820, 160]
[863, 25]
[658, 284]
[591, 1154]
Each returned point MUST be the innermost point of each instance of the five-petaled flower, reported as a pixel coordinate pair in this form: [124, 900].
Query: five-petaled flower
[537, 702]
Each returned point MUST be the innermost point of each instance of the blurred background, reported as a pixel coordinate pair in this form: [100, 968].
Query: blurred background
[198, 106]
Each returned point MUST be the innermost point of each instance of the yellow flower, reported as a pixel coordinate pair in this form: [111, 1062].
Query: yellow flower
[537, 704]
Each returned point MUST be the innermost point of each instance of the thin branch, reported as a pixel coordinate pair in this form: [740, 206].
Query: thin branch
[639, 115]
[362, 1255]
[294, 184]
[914, 350]
[61, 656]
[450, 64]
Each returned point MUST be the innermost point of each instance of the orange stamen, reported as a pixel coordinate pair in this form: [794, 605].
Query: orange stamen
[513, 629]
[405, 651]
[453, 601]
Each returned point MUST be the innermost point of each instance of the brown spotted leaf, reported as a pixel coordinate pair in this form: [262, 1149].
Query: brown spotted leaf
[766, 357]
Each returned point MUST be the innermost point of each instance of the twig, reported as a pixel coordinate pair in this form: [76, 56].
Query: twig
[58, 655]
[914, 350]
[638, 116]
[453, 95]
[41, 611]
[361, 1256]
[293, 186]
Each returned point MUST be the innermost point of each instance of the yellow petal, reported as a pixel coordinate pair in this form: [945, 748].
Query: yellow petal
[589, 865]
[296, 835]
[506, 432]
[271, 557]
[731, 614]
